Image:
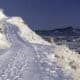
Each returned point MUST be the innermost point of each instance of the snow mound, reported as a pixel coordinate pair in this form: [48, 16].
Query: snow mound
[2, 15]
[26, 32]
[68, 60]
[4, 43]
[24, 60]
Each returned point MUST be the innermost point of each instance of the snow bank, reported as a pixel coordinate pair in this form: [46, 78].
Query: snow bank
[65, 58]
[4, 43]
[2, 15]
[68, 60]
[26, 32]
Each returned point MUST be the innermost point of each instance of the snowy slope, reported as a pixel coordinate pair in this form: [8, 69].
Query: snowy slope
[68, 36]
[26, 32]
[27, 56]
[21, 60]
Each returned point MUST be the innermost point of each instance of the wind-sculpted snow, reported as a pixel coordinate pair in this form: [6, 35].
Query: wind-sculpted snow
[26, 32]
[19, 59]
[25, 61]
[22, 60]
[49, 70]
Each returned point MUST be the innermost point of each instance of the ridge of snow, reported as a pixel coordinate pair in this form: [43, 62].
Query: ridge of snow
[4, 43]
[2, 15]
[26, 32]
[33, 62]
[67, 59]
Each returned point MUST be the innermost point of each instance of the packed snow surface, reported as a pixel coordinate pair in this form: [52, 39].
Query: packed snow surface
[26, 56]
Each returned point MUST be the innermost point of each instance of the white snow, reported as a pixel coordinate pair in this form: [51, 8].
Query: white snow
[26, 32]
[4, 43]
[30, 57]
[68, 59]
[2, 15]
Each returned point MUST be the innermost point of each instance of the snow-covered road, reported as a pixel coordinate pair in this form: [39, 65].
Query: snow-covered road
[26, 61]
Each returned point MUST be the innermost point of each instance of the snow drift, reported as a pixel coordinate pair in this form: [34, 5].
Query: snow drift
[26, 56]
[26, 32]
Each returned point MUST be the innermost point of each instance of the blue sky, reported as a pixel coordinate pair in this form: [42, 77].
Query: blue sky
[44, 14]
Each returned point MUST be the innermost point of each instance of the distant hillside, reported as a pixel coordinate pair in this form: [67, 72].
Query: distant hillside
[68, 31]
